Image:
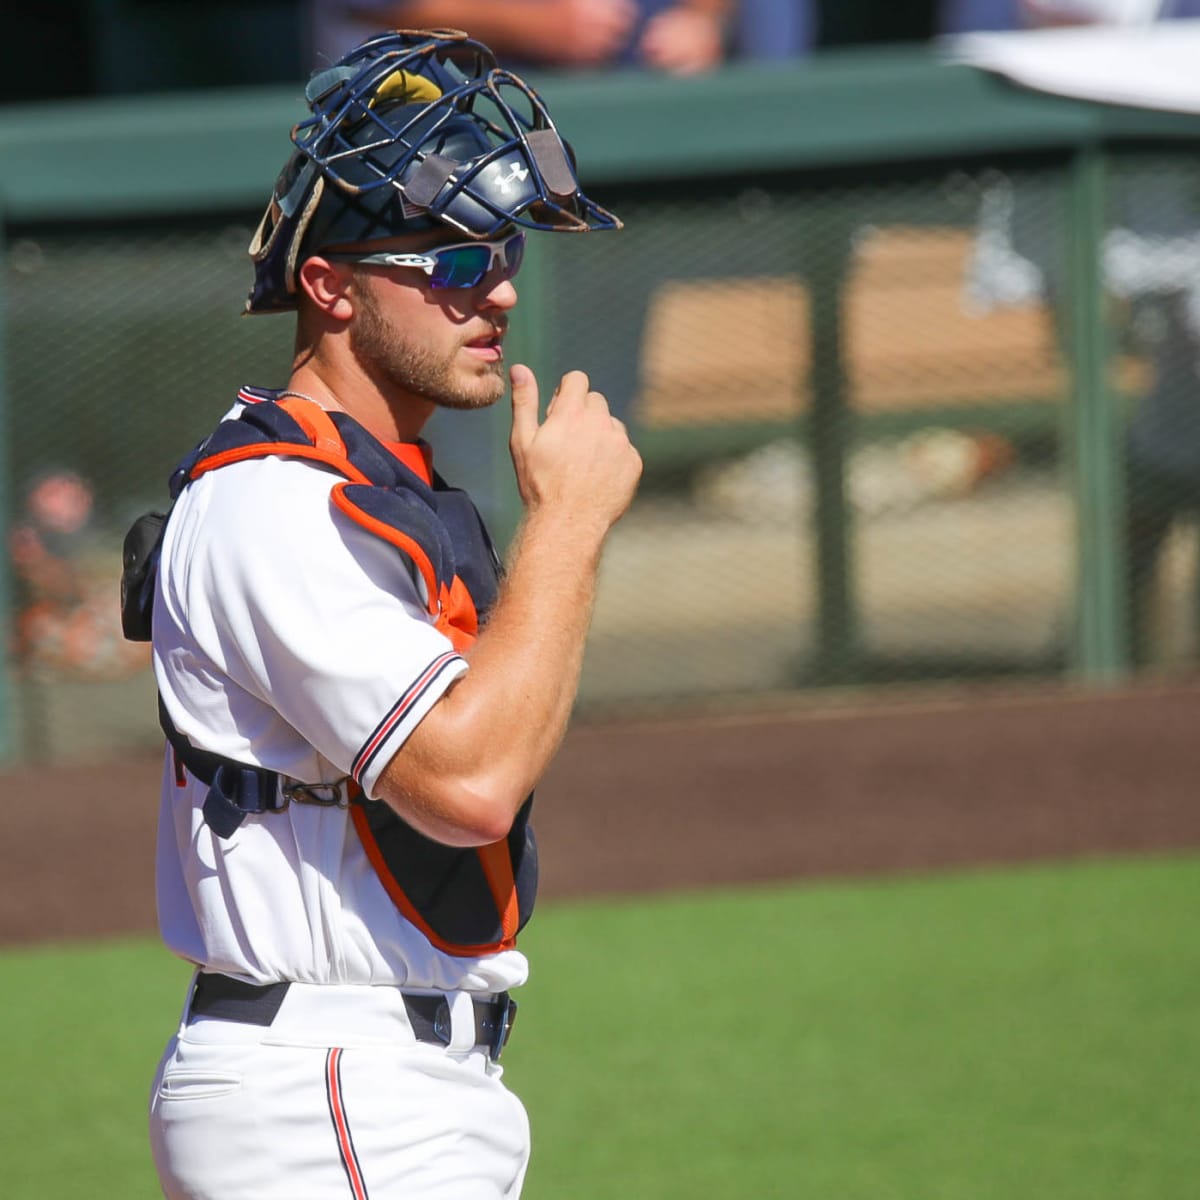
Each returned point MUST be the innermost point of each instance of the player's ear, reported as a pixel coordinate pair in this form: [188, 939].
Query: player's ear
[327, 286]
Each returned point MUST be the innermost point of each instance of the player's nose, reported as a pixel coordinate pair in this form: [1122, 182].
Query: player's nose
[502, 295]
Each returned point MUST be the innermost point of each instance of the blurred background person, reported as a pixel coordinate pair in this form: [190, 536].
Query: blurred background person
[680, 36]
[67, 624]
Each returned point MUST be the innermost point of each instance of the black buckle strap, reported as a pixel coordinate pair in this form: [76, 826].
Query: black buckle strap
[430, 1019]
[238, 790]
[229, 999]
[235, 790]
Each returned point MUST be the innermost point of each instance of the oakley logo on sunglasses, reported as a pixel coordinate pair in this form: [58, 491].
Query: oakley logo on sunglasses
[462, 265]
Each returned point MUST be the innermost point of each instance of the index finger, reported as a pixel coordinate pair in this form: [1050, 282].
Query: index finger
[524, 403]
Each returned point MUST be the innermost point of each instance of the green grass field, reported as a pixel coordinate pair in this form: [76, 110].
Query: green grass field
[1020, 1034]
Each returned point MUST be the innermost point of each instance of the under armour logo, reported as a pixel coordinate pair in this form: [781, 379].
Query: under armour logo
[516, 174]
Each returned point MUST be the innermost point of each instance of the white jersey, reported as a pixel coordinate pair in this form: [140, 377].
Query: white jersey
[288, 637]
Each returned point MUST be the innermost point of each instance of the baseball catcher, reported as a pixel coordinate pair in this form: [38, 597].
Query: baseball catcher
[358, 699]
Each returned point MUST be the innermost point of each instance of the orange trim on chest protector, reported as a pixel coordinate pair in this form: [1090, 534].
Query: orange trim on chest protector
[225, 458]
[498, 875]
[416, 456]
[316, 423]
[457, 616]
[397, 537]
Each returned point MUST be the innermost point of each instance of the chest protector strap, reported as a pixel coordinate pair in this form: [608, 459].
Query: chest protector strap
[467, 902]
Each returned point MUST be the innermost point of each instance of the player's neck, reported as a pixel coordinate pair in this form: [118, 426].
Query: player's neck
[388, 418]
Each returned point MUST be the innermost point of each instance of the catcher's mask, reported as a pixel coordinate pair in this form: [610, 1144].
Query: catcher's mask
[413, 131]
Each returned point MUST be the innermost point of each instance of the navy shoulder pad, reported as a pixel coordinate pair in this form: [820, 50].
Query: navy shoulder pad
[405, 519]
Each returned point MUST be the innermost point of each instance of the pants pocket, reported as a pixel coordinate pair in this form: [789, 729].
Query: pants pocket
[191, 1084]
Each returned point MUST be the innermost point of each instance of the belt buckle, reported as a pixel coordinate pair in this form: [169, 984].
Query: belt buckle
[491, 1032]
[500, 1036]
[323, 795]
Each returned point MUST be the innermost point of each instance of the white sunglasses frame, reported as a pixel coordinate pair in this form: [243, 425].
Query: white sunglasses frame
[428, 261]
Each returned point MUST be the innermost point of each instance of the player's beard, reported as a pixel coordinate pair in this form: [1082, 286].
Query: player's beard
[405, 365]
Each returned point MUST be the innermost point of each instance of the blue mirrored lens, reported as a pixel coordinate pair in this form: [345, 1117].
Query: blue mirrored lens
[462, 267]
[468, 266]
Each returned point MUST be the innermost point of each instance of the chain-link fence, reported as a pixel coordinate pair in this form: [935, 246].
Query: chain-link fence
[853, 401]
[857, 404]
[124, 346]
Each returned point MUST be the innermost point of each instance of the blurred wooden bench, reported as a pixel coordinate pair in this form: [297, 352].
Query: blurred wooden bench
[726, 350]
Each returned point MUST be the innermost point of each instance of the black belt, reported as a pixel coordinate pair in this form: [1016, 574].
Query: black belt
[230, 999]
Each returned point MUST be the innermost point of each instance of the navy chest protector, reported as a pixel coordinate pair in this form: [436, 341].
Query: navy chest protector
[466, 901]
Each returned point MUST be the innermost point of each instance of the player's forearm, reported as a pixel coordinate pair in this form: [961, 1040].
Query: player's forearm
[525, 668]
[468, 767]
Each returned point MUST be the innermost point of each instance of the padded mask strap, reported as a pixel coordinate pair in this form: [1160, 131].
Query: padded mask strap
[429, 179]
[547, 149]
[290, 201]
[323, 82]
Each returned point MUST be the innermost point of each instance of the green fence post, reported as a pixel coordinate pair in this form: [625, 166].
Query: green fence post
[836, 658]
[7, 713]
[1100, 652]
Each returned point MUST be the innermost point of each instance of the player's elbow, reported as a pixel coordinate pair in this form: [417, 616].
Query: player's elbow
[458, 811]
[486, 828]
[481, 810]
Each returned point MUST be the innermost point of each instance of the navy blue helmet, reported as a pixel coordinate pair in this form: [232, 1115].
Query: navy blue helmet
[413, 131]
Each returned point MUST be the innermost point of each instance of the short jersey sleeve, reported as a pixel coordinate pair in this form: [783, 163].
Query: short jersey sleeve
[285, 634]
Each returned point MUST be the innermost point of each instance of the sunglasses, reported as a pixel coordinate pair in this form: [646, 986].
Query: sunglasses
[462, 265]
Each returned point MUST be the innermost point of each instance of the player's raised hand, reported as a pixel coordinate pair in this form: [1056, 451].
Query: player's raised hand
[579, 460]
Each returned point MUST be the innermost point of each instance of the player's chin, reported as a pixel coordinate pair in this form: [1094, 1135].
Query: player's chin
[480, 391]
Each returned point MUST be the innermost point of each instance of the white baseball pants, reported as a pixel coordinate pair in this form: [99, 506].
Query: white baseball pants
[335, 1100]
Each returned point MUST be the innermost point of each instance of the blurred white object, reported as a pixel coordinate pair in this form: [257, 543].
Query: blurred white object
[1035, 13]
[998, 276]
[1136, 266]
[1143, 65]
